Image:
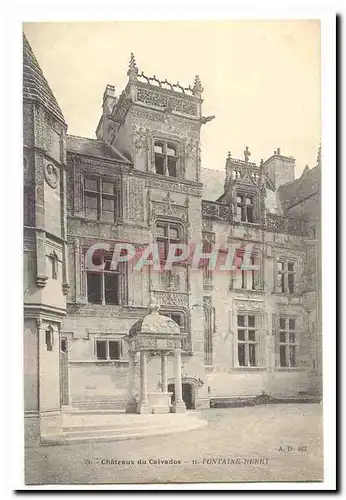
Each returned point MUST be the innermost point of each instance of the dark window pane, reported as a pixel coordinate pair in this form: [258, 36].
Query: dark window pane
[177, 318]
[280, 266]
[91, 202]
[108, 187]
[114, 349]
[243, 279]
[251, 321]
[292, 324]
[282, 336]
[283, 359]
[252, 354]
[91, 207]
[293, 360]
[290, 266]
[241, 334]
[241, 354]
[91, 185]
[63, 345]
[252, 335]
[108, 205]
[241, 320]
[292, 337]
[159, 165]
[94, 288]
[97, 259]
[172, 167]
[112, 289]
[49, 340]
[101, 350]
[282, 323]
[291, 283]
[282, 282]
[249, 214]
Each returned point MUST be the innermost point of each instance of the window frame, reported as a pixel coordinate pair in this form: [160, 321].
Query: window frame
[120, 272]
[119, 341]
[166, 144]
[166, 239]
[282, 276]
[245, 194]
[287, 344]
[100, 195]
[258, 328]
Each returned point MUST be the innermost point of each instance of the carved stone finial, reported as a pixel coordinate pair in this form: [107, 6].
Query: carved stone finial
[228, 157]
[197, 86]
[154, 309]
[247, 155]
[132, 72]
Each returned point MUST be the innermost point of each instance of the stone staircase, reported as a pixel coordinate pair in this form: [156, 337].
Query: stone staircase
[108, 425]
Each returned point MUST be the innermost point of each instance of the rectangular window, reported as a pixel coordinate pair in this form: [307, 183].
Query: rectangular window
[242, 278]
[100, 200]
[108, 349]
[247, 340]
[166, 158]
[166, 233]
[288, 342]
[49, 340]
[245, 208]
[286, 277]
[104, 286]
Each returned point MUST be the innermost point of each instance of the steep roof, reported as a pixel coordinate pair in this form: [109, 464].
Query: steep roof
[35, 85]
[93, 147]
[213, 183]
[294, 192]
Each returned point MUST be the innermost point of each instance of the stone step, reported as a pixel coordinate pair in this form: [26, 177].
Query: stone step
[75, 432]
[127, 430]
[105, 419]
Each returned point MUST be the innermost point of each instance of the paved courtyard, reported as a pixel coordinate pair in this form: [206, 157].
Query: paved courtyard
[260, 443]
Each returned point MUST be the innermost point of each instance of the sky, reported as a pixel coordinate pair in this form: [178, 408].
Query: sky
[261, 79]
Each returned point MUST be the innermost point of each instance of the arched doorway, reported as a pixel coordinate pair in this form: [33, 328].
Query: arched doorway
[189, 396]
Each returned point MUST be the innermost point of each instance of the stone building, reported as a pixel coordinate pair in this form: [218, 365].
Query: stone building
[141, 180]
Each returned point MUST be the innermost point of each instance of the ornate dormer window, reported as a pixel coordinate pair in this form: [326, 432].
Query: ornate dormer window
[245, 208]
[166, 158]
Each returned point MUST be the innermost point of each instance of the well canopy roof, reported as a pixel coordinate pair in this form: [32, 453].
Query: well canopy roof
[155, 323]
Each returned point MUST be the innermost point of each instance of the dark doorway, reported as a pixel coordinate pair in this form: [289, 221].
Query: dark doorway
[187, 395]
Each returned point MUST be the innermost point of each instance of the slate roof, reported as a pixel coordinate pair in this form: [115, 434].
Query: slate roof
[93, 147]
[213, 183]
[35, 85]
[294, 192]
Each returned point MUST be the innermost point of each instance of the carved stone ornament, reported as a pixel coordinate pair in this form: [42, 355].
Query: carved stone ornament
[51, 175]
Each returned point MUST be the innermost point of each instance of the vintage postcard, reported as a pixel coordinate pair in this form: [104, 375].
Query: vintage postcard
[172, 252]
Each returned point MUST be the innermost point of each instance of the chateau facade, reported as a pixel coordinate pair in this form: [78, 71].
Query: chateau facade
[141, 180]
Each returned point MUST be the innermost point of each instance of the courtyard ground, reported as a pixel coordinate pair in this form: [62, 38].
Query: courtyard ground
[262, 443]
